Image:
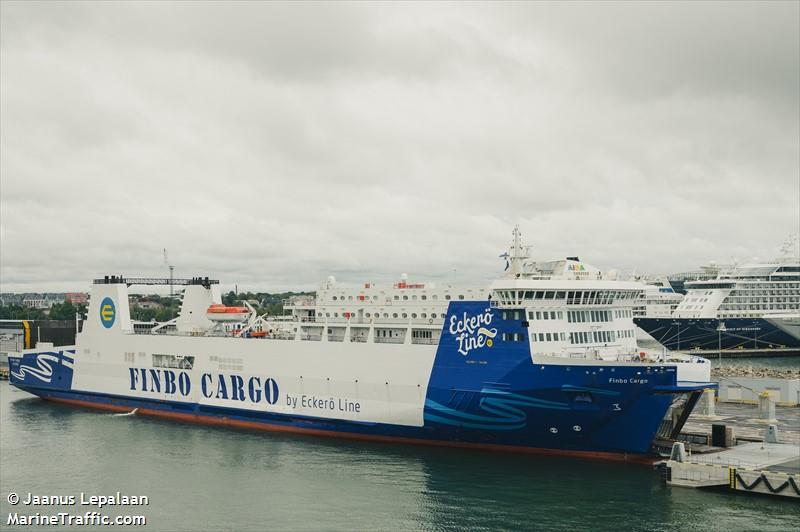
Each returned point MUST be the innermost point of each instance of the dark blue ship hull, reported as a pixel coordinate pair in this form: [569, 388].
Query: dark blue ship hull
[707, 333]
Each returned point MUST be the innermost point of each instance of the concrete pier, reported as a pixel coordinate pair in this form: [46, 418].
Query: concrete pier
[747, 422]
[765, 468]
[742, 447]
[784, 392]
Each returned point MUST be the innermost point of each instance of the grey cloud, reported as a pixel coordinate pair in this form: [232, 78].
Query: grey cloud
[272, 144]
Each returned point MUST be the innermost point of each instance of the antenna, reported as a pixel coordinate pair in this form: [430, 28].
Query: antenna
[171, 271]
[790, 246]
[518, 253]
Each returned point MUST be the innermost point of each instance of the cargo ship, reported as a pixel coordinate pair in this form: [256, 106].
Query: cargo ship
[544, 360]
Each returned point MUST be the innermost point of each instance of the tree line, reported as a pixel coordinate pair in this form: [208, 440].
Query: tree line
[59, 311]
[267, 303]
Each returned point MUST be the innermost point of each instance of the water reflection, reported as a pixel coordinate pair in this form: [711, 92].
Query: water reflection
[206, 478]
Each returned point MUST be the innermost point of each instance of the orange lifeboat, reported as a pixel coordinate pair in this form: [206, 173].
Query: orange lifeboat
[225, 313]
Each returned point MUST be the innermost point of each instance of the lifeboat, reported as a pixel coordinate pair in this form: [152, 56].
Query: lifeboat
[224, 313]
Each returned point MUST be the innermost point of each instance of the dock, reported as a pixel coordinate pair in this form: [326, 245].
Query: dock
[739, 447]
[747, 421]
[765, 468]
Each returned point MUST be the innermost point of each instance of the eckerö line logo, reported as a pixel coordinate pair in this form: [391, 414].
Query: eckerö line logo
[107, 313]
[471, 332]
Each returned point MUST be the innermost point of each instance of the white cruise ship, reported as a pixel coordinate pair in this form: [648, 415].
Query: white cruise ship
[752, 306]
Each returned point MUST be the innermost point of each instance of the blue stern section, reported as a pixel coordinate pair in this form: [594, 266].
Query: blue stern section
[486, 388]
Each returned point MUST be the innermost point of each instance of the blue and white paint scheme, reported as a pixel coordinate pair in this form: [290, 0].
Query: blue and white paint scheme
[444, 365]
[38, 368]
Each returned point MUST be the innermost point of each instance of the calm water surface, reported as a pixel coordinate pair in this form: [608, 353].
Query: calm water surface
[200, 478]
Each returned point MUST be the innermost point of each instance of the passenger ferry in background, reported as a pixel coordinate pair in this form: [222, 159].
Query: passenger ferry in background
[542, 360]
[657, 300]
[753, 306]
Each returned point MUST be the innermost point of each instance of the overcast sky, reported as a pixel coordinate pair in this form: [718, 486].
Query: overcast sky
[272, 145]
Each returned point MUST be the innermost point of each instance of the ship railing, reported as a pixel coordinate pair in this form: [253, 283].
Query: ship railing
[298, 302]
[339, 322]
[391, 340]
[425, 341]
[287, 335]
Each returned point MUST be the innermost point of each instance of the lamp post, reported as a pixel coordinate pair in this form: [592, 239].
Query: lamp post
[720, 329]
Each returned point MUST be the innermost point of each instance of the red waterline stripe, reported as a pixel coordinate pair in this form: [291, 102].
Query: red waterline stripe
[227, 422]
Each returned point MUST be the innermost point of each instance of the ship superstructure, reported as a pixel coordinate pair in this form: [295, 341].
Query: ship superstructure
[544, 359]
[657, 299]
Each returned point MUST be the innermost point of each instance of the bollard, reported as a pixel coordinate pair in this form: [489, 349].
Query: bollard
[707, 403]
[766, 407]
[678, 453]
[771, 435]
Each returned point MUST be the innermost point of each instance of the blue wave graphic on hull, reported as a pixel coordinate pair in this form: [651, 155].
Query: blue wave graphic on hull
[43, 367]
[502, 406]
